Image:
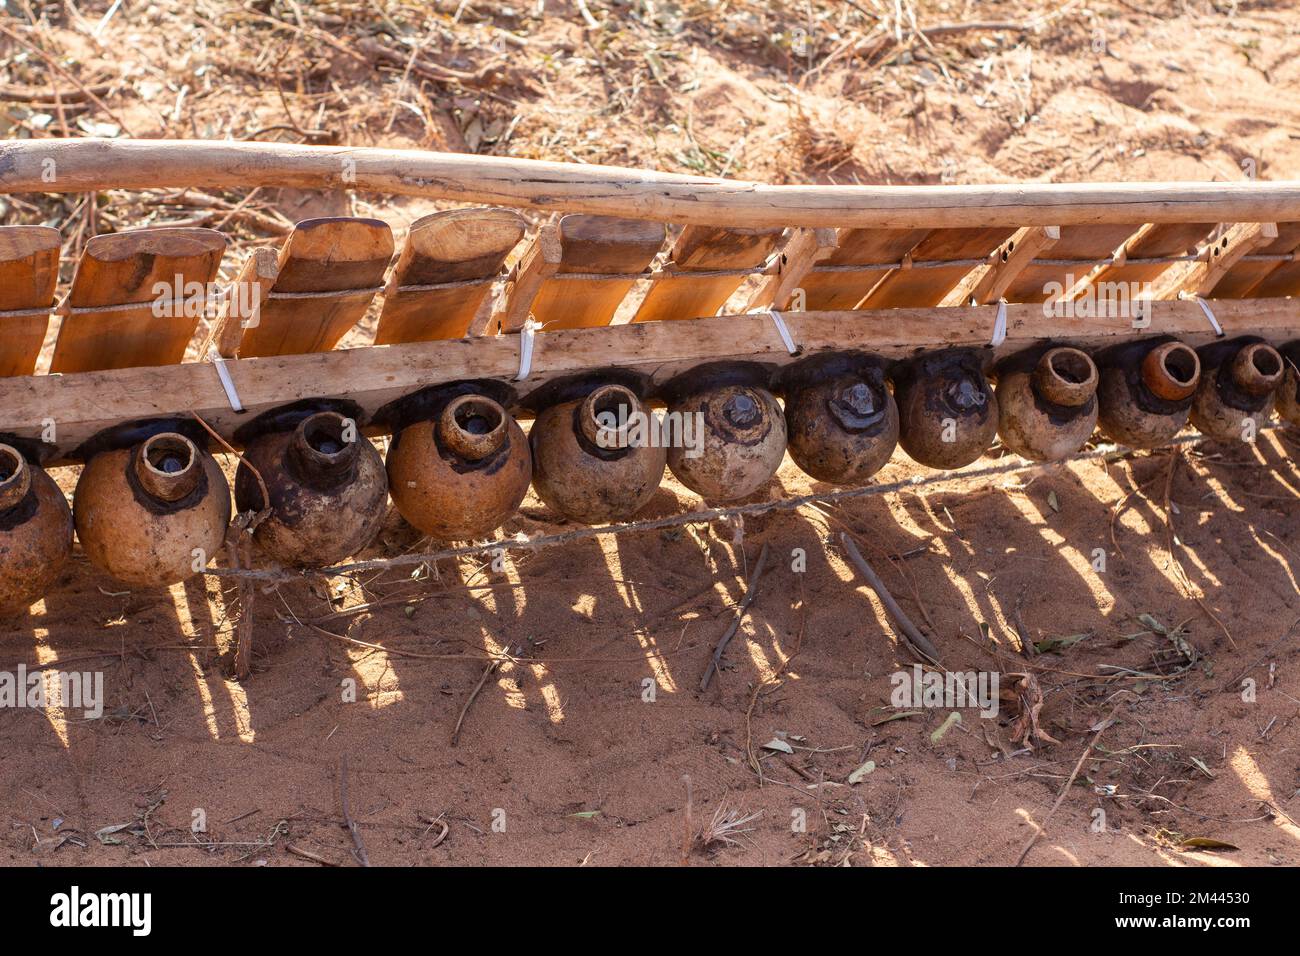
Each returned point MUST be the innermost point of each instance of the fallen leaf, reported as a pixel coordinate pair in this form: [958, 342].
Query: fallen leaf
[778, 744]
[104, 834]
[1057, 643]
[857, 775]
[1206, 843]
[1152, 623]
[949, 722]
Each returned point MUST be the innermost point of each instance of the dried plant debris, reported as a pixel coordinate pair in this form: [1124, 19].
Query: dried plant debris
[727, 826]
[1025, 698]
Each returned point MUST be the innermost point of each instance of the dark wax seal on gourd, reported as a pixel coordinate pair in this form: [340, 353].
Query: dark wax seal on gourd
[35, 532]
[732, 429]
[948, 415]
[154, 513]
[598, 457]
[327, 486]
[841, 418]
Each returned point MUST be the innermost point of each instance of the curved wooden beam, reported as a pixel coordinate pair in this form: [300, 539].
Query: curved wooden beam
[83, 165]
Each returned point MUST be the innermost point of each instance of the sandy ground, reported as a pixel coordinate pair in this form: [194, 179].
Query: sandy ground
[577, 752]
[585, 754]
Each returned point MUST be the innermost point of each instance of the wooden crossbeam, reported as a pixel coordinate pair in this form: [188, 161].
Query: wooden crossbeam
[1073, 256]
[243, 303]
[1242, 279]
[803, 250]
[85, 403]
[1154, 241]
[540, 261]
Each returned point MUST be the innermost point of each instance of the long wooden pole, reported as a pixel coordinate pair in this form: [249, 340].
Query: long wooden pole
[83, 165]
[82, 404]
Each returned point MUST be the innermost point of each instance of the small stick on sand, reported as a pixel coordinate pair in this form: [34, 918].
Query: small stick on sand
[907, 630]
[688, 837]
[360, 847]
[1060, 797]
[308, 855]
[487, 672]
[751, 591]
[1235, 683]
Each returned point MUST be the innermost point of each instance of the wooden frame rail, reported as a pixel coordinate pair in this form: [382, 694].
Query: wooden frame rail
[86, 165]
[79, 405]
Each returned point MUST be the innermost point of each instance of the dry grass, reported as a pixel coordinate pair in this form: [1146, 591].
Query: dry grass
[858, 91]
[718, 87]
[464, 76]
[727, 826]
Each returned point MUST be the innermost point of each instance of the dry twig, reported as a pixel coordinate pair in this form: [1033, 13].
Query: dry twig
[359, 846]
[1060, 797]
[907, 630]
[751, 591]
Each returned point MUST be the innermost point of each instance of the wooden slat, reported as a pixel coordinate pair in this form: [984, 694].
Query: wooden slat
[803, 250]
[341, 256]
[85, 404]
[1011, 259]
[1075, 254]
[702, 249]
[931, 285]
[594, 245]
[457, 246]
[1154, 241]
[29, 270]
[844, 288]
[1220, 257]
[126, 268]
[1243, 278]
